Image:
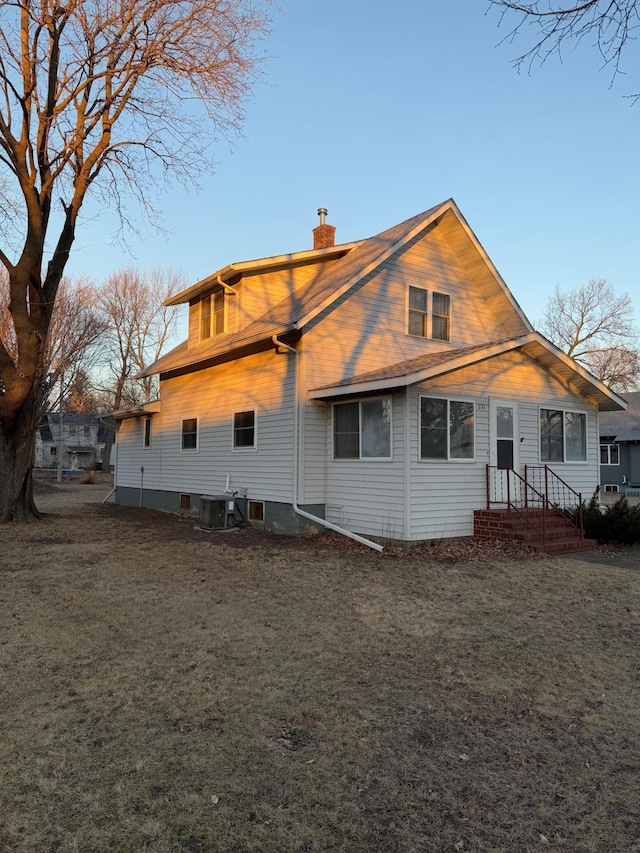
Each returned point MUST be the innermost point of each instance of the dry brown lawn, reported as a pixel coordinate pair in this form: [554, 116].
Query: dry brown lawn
[168, 690]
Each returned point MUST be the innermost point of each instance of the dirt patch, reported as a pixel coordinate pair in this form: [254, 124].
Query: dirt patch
[164, 690]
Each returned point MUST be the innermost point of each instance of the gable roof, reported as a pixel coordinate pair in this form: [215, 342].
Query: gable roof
[432, 365]
[360, 259]
[623, 426]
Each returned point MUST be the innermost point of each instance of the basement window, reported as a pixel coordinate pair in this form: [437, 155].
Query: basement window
[256, 511]
[185, 501]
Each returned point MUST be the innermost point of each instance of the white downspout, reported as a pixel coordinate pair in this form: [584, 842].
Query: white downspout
[296, 425]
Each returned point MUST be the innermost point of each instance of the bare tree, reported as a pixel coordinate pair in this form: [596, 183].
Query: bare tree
[596, 326]
[138, 326]
[72, 341]
[609, 24]
[104, 97]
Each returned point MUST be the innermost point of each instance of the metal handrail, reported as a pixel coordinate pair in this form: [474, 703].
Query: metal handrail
[562, 506]
[533, 499]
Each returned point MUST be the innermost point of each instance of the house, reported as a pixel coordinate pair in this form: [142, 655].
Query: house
[74, 438]
[620, 448]
[382, 386]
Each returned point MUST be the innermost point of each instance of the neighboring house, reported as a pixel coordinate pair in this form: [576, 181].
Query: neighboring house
[620, 448]
[77, 439]
[370, 384]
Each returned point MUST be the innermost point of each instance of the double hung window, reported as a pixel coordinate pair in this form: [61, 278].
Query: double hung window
[244, 430]
[362, 430]
[190, 434]
[420, 324]
[212, 315]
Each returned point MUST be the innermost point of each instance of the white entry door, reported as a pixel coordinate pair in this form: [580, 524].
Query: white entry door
[504, 449]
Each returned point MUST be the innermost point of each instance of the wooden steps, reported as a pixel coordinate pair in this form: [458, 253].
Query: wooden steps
[560, 536]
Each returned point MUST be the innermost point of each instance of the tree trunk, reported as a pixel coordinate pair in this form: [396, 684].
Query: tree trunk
[16, 468]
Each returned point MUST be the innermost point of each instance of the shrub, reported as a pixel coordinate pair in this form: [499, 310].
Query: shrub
[617, 523]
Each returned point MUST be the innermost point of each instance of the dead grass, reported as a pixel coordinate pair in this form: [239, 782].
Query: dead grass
[165, 690]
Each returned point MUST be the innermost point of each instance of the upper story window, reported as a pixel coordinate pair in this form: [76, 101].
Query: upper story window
[563, 436]
[212, 315]
[437, 325]
[609, 454]
[244, 430]
[362, 430]
[446, 429]
[146, 434]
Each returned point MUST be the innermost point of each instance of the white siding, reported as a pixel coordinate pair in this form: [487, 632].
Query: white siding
[263, 383]
[445, 494]
[367, 330]
[369, 495]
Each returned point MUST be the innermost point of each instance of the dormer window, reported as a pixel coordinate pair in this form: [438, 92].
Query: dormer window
[212, 315]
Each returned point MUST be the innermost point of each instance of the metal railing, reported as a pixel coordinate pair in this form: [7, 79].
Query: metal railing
[534, 497]
[559, 494]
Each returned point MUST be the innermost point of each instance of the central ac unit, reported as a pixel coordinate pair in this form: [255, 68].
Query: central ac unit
[217, 512]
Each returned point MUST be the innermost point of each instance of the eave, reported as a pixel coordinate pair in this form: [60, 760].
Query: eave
[260, 265]
[435, 365]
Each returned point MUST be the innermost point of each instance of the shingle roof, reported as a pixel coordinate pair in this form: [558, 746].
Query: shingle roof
[625, 426]
[415, 365]
[293, 311]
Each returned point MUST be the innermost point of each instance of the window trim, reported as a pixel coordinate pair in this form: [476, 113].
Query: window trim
[146, 432]
[249, 448]
[428, 314]
[195, 449]
[360, 457]
[251, 505]
[609, 445]
[446, 317]
[564, 460]
[455, 459]
[209, 299]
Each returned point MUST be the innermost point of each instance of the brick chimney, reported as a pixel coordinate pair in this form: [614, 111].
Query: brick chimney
[324, 236]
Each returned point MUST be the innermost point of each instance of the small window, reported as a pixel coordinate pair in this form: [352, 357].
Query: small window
[441, 317]
[190, 434]
[72, 429]
[87, 431]
[244, 430]
[563, 436]
[362, 430]
[146, 435]
[212, 315]
[256, 511]
[185, 501]
[446, 429]
[609, 454]
[611, 487]
[53, 451]
[418, 312]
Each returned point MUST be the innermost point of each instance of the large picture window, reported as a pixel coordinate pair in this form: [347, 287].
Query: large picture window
[446, 429]
[362, 430]
[563, 436]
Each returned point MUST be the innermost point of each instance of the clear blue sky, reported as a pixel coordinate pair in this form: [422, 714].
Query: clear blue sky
[378, 111]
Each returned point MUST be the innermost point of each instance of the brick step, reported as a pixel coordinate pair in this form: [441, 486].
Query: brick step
[565, 546]
[556, 533]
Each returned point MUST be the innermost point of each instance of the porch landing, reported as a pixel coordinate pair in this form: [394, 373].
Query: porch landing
[553, 534]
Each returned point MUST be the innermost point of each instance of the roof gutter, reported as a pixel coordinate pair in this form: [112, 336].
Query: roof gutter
[283, 348]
